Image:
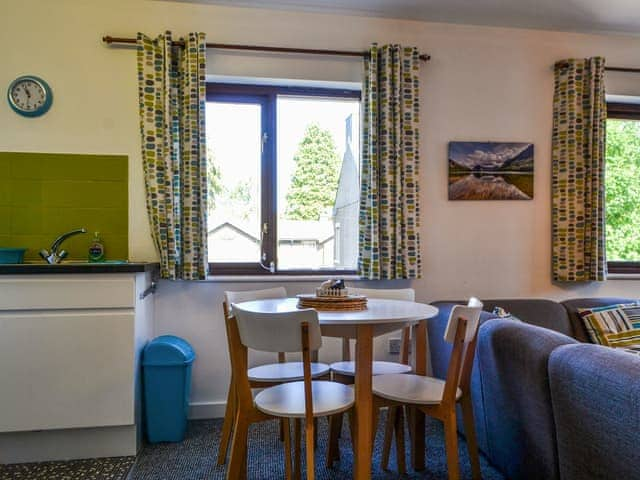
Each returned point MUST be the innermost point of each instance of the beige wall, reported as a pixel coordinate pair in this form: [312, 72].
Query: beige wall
[482, 84]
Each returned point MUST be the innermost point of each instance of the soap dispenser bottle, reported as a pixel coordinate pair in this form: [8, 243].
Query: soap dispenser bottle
[96, 249]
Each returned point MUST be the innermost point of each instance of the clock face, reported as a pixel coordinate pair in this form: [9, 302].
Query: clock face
[29, 96]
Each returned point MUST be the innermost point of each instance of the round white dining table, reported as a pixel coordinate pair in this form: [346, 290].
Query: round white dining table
[381, 316]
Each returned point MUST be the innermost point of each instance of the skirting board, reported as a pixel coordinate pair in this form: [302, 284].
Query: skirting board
[206, 410]
[71, 444]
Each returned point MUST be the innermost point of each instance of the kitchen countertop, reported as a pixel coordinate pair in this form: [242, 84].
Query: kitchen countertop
[77, 267]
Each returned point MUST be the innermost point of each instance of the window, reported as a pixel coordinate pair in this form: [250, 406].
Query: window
[283, 173]
[623, 188]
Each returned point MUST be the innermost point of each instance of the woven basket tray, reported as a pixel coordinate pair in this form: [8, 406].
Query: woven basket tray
[351, 303]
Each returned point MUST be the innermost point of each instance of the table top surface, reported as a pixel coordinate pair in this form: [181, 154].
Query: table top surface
[378, 311]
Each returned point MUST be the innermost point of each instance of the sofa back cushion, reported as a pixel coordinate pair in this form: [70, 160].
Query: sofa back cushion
[513, 360]
[535, 311]
[595, 394]
[573, 305]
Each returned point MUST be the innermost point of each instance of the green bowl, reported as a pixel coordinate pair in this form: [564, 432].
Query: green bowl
[11, 255]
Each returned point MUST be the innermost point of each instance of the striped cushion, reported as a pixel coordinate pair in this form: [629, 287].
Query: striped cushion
[610, 325]
[627, 338]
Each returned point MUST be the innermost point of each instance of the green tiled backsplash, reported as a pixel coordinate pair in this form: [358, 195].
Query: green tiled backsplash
[45, 194]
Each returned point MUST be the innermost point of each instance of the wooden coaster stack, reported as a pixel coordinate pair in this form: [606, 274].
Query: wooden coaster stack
[350, 303]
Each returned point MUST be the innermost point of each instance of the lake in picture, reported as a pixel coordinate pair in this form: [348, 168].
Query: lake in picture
[490, 171]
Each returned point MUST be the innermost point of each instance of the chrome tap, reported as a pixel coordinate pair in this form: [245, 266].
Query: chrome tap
[54, 257]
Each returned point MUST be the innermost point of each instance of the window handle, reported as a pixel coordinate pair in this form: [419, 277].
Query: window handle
[263, 141]
[272, 266]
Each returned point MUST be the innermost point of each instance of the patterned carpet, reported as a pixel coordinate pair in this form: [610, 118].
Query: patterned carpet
[195, 459]
[93, 469]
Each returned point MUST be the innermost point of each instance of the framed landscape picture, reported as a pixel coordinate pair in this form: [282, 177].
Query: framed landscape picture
[490, 171]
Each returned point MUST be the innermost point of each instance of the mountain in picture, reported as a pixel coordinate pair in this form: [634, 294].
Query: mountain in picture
[490, 171]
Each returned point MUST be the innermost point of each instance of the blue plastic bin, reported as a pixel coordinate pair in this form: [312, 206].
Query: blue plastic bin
[167, 364]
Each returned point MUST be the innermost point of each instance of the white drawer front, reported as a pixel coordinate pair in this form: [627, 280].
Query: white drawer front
[67, 292]
[66, 369]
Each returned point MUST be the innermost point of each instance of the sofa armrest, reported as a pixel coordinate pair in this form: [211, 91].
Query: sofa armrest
[513, 360]
[595, 393]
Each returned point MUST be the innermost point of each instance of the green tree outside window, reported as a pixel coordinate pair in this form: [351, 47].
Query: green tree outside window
[623, 190]
[315, 179]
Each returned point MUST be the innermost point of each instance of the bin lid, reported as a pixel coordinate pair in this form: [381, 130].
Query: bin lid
[168, 350]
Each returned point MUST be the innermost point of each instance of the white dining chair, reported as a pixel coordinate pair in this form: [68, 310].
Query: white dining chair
[295, 331]
[345, 370]
[261, 375]
[436, 397]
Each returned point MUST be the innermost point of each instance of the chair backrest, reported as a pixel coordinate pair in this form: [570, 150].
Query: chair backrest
[277, 332]
[249, 295]
[408, 294]
[471, 313]
[462, 332]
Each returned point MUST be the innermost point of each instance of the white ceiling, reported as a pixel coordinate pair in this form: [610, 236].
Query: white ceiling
[572, 15]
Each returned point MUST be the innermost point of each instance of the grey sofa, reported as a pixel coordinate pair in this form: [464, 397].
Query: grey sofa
[514, 413]
[595, 392]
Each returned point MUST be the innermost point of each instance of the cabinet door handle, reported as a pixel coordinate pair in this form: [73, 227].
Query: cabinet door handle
[149, 291]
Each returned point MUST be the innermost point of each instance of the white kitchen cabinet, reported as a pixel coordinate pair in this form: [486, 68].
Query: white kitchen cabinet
[70, 347]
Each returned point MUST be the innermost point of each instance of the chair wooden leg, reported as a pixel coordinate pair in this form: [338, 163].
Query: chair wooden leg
[339, 420]
[281, 429]
[388, 436]
[417, 438]
[451, 445]
[229, 418]
[470, 433]
[287, 448]
[297, 449]
[375, 415]
[346, 350]
[238, 461]
[315, 431]
[310, 440]
[409, 414]
[352, 429]
[333, 447]
[400, 449]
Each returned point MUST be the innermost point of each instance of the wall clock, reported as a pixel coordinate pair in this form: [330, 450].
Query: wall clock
[29, 96]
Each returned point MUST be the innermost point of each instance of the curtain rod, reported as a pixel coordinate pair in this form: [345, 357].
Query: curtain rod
[623, 69]
[257, 48]
[610, 69]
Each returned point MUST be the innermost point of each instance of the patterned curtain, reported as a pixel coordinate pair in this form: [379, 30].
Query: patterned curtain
[578, 157]
[171, 87]
[389, 240]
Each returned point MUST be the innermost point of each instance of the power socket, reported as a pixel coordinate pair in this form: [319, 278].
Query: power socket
[394, 345]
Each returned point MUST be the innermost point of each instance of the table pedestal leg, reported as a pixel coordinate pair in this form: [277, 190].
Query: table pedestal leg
[364, 403]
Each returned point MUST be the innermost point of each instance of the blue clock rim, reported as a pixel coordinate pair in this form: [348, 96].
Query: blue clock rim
[41, 110]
